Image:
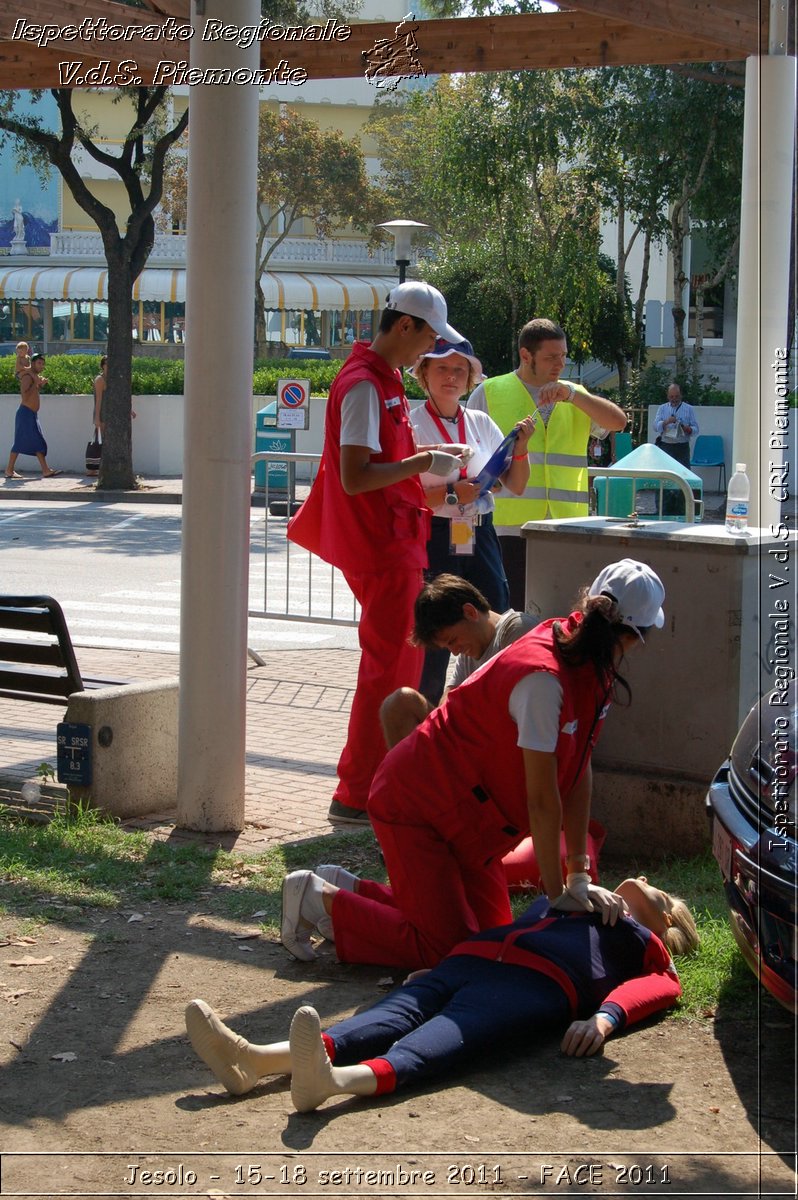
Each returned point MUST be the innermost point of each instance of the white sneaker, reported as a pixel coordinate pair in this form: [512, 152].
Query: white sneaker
[338, 876]
[295, 930]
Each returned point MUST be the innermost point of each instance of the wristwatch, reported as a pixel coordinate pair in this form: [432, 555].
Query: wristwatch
[584, 859]
[451, 494]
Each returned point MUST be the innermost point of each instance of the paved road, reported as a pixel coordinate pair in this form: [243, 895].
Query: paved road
[115, 569]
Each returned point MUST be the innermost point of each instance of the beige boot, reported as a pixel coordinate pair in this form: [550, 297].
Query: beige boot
[234, 1061]
[314, 1078]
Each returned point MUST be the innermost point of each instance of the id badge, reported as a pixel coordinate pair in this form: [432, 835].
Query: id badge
[461, 536]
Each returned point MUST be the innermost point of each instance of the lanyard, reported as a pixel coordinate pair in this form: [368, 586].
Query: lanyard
[445, 432]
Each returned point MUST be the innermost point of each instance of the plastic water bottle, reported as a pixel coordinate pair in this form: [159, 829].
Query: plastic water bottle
[737, 496]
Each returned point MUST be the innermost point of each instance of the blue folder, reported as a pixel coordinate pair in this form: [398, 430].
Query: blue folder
[497, 464]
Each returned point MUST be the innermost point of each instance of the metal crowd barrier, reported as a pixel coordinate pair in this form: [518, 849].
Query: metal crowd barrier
[662, 476]
[297, 586]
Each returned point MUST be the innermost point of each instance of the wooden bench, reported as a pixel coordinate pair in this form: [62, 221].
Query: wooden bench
[41, 668]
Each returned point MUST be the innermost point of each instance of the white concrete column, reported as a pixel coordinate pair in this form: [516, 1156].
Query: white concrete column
[766, 214]
[220, 279]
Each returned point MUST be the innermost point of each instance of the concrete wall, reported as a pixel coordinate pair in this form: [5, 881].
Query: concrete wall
[134, 746]
[692, 683]
[157, 432]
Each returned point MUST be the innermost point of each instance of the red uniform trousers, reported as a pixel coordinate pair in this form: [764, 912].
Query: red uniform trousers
[387, 662]
[369, 928]
[451, 799]
[446, 872]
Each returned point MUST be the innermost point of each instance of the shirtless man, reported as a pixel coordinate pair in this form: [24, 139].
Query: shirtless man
[28, 436]
[99, 386]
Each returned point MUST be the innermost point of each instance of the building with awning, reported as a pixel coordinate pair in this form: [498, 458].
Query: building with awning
[54, 283]
[62, 296]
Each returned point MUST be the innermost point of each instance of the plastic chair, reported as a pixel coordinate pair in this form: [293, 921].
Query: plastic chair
[708, 452]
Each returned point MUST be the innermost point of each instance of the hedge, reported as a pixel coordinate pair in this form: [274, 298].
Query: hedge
[73, 374]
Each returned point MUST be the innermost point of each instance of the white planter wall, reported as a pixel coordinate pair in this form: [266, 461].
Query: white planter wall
[158, 432]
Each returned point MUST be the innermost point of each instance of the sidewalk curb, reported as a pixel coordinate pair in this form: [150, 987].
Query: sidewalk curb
[73, 489]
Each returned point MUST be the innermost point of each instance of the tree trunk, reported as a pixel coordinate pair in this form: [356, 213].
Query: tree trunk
[680, 227]
[640, 304]
[620, 291]
[699, 322]
[260, 320]
[116, 465]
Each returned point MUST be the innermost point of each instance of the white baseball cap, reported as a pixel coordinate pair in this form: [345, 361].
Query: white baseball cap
[424, 301]
[636, 589]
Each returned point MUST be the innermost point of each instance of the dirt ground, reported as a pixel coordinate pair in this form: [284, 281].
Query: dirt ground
[98, 1085]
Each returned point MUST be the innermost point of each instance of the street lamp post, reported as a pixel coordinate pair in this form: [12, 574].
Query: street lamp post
[402, 232]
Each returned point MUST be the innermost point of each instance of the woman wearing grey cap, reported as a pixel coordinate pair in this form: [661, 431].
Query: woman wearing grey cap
[506, 754]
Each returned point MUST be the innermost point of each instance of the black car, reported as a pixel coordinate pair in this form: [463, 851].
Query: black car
[751, 805]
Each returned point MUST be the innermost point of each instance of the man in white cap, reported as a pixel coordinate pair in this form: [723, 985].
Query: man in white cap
[366, 514]
[507, 754]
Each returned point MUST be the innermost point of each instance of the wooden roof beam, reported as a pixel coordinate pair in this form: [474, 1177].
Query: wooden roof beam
[740, 25]
[528, 41]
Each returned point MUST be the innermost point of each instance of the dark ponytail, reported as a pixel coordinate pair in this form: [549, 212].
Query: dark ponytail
[597, 639]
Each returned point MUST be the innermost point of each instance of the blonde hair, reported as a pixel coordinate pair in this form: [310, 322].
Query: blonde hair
[23, 346]
[474, 376]
[681, 936]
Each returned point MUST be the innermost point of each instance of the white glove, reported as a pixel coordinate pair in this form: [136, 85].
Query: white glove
[575, 898]
[609, 904]
[578, 883]
[465, 452]
[443, 464]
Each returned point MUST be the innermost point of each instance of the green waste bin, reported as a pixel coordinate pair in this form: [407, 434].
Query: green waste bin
[269, 439]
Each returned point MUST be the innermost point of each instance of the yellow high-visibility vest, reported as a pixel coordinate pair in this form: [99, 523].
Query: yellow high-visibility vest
[558, 480]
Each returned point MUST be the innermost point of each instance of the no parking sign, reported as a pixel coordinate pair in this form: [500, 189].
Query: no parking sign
[293, 403]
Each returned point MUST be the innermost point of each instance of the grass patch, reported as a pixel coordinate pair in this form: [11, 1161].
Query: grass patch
[80, 861]
[717, 972]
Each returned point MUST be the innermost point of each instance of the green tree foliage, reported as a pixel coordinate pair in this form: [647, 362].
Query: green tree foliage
[702, 165]
[486, 161]
[667, 147]
[305, 173]
[512, 172]
[139, 165]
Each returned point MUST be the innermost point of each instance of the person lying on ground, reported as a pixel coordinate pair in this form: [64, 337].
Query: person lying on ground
[549, 970]
[506, 755]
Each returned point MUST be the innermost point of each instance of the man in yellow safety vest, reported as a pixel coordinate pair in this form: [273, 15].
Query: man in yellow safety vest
[567, 416]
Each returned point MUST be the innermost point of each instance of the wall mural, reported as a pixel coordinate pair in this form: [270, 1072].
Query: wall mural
[28, 205]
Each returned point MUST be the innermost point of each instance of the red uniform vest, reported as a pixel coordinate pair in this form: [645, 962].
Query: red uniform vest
[373, 531]
[462, 771]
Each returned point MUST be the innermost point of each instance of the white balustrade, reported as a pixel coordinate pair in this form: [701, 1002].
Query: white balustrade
[170, 249]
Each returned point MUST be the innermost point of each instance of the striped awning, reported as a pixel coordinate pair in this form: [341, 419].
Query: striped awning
[301, 289]
[282, 289]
